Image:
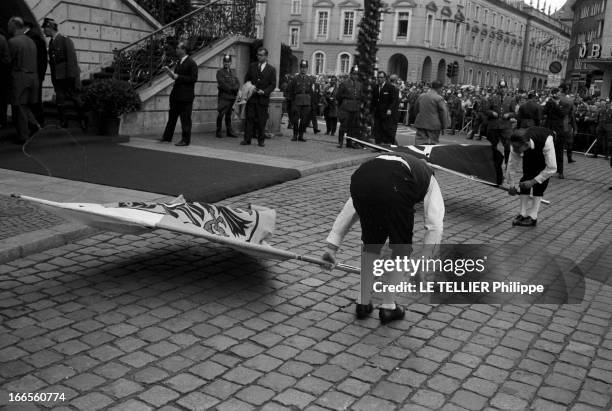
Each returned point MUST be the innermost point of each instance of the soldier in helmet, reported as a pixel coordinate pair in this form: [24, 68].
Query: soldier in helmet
[299, 92]
[349, 103]
[500, 111]
[228, 86]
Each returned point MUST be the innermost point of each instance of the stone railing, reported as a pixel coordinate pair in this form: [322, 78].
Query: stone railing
[140, 62]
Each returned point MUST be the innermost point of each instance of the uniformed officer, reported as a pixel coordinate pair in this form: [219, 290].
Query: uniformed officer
[228, 85]
[604, 130]
[300, 92]
[500, 110]
[65, 72]
[349, 99]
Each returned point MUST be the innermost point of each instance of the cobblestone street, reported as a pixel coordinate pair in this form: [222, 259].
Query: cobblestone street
[166, 321]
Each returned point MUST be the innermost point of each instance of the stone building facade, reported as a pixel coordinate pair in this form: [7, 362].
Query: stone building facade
[490, 40]
[590, 57]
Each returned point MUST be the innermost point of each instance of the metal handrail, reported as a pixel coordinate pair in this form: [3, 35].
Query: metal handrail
[140, 62]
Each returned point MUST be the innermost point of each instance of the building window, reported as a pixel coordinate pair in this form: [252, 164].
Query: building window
[490, 56]
[457, 35]
[493, 18]
[485, 19]
[294, 36]
[444, 34]
[429, 28]
[474, 47]
[479, 78]
[482, 47]
[403, 19]
[318, 66]
[470, 76]
[344, 63]
[322, 23]
[488, 79]
[477, 13]
[296, 6]
[348, 23]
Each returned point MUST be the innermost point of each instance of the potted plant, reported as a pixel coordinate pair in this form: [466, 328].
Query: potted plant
[110, 99]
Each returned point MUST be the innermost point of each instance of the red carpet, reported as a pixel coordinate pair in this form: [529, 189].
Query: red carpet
[95, 160]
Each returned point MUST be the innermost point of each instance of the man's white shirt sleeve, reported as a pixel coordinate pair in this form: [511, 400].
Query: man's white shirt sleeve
[433, 211]
[551, 161]
[344, 221]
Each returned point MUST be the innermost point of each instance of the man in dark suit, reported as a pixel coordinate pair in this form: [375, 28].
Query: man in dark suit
[263, 76]
[228, 85]
[530, 113]
[431, 115]
[41, 60]
[24, 81]
[384, 102]
[185, 76]
[65, 73]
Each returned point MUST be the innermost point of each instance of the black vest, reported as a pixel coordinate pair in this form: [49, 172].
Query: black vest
[533, 159]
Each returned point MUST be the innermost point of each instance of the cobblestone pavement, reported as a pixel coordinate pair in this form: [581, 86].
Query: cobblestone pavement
[166, 321]
[19, 216]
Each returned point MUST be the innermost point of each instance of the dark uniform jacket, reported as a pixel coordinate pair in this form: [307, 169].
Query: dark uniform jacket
[529, 114]
[349, 96]
[227, 84]
[300, 90]
[264, 80]
[63, 58]
[183, 90]
[502, 105]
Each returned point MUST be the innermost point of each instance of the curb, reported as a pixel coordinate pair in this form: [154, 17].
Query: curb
[37, 241]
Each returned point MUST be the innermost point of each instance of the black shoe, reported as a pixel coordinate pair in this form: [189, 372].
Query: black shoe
[245, 143]
[517, 220]
[231, 134]
[570, 160]
[561, 176]
[339, 145]
[363, 310]
[261, 144]
[528, 222]
[294, 138]
[218, 134]
[301, 139]
[387, 315]
[163, 140]
[316, 131]
[181, 144]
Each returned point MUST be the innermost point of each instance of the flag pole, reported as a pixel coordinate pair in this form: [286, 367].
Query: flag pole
[437, 167]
